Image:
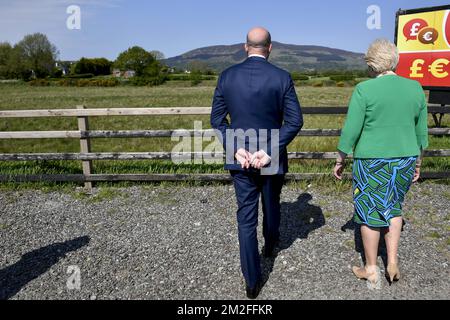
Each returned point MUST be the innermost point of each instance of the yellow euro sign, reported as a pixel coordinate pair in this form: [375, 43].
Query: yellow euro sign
[437, 68]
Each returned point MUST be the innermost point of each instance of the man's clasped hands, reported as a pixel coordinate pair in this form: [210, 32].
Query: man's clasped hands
[257, 160]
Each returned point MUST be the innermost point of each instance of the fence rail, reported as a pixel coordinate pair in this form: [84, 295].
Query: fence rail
[168, 155]
[86, 156]
[96, 134]
[101, 112]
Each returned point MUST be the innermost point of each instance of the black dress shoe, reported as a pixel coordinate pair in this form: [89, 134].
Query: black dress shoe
[253, 293]
[269, 250]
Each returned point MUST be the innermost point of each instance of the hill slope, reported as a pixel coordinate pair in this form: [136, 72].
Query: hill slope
[286, 56]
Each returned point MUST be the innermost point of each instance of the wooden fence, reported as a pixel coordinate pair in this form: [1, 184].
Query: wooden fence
[86, 156]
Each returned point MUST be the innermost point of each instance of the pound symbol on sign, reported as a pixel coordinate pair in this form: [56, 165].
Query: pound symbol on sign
[416, 68]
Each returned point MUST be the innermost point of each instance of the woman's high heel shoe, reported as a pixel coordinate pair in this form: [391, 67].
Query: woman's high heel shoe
[392, 273]
[373, 278]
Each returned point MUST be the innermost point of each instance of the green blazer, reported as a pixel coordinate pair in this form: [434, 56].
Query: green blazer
[387, 118]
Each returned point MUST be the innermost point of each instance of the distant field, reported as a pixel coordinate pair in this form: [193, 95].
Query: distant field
[172, 94]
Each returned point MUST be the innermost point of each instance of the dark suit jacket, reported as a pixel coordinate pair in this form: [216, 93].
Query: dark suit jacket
[257, 95]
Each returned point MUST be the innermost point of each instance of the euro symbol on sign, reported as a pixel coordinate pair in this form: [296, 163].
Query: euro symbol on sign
[428, 36]
[437, 68]
[416, 68]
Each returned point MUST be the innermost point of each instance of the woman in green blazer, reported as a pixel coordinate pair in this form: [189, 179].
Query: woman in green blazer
[386, 130]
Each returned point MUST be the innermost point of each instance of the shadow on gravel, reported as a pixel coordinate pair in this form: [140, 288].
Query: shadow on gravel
[35, 263]
[298, 220]
[359, 247]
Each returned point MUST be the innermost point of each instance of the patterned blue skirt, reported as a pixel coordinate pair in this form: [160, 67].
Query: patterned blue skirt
[379, 189]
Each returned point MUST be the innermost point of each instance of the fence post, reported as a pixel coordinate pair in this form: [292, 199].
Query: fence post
[85, 147]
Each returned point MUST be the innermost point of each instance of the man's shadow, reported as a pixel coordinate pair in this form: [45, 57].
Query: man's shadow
[35, 263]
[298, 220]
[359, 246]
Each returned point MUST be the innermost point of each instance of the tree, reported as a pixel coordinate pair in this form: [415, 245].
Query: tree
[148, 70]
[5, 52]
[158, 55]
[35, 54]
[137, 59]
[96, 66]
[17, 66]
[195, 77]
[5, 56]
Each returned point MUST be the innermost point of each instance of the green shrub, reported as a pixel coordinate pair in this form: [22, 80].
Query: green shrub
[340, 84]
[89, 82]
[188, 77]
[83, 83]
[63, 83]
[209, 77]
[342, 77]
[56, 73]
[148, 81]
[178, 77]
[112, 82]
[66, 82]
[196, 78]
[302, 83]
[297, 76]
[109, 82]
[317, 84]
[39, 83]
[80, 76]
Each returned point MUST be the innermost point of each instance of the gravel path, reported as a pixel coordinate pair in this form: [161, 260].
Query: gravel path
[176, 242]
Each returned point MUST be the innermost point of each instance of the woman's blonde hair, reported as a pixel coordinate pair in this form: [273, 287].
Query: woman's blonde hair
[382, 56]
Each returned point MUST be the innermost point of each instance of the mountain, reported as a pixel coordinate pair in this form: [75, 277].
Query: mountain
[287, 56]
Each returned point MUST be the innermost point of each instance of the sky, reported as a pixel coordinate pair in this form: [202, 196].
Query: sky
[174, 27]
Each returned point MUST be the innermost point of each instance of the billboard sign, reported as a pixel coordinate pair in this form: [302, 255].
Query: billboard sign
[423, 40]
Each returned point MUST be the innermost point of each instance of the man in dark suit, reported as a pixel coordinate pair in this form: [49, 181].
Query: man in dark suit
[265, 116]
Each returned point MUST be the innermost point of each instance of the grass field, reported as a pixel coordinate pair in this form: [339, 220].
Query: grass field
[172, 94]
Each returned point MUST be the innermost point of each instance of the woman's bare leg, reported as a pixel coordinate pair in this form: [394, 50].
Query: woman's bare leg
[371, 239]
[371, 272]
[392, 238]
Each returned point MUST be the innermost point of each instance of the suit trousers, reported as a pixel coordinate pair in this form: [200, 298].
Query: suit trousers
[248, 187]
